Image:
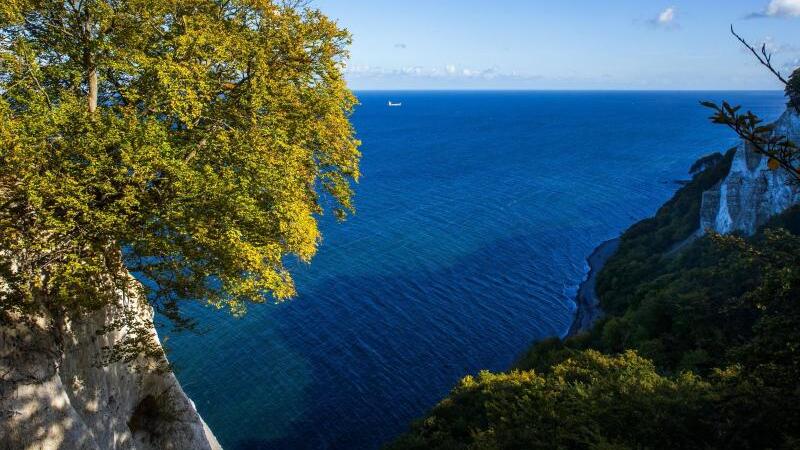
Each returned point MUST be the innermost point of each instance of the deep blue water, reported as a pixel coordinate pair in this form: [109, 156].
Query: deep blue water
[475, 215]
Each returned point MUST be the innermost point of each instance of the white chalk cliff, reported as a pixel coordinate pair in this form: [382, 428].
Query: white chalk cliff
[55, 395]
[751, 193]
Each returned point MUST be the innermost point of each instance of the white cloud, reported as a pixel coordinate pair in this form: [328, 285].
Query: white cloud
[667, 16]
[780, 8]
[783, 8]
[666, 19]
[450, 71]
[774, 47]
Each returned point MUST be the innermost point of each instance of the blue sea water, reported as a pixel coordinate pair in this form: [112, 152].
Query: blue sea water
[475, 215]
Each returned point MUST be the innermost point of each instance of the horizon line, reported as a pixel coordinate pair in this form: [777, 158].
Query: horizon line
[553, 90]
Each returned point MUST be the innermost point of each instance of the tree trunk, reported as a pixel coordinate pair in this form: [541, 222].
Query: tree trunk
[90, 65]
[92, 75]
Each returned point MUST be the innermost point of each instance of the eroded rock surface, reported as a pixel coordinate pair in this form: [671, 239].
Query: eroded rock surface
[54, 394]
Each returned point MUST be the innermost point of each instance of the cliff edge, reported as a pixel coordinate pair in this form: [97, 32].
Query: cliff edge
[55, 394]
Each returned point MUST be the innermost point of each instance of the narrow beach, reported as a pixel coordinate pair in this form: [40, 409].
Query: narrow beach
[588, 304]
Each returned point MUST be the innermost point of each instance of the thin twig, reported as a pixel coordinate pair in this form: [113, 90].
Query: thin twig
[765, 58]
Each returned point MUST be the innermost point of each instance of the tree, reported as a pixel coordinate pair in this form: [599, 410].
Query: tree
[193, 143]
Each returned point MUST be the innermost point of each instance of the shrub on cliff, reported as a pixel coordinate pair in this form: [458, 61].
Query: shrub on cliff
[192, 142]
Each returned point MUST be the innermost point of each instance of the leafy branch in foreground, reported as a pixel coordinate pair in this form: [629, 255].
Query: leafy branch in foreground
[763, 139]
[781, 151]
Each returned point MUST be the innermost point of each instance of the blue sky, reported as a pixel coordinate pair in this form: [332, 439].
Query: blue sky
[564, 44]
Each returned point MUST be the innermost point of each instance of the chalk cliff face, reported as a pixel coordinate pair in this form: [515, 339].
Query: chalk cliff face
[751, 193]
[55, 395]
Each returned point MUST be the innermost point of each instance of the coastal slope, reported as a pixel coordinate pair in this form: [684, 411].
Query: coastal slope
[747, 196]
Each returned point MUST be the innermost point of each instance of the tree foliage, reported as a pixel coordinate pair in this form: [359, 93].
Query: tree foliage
[191, 142]
[588, 401]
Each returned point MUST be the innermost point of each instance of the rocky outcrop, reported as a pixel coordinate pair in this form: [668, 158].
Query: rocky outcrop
[751, 193]
[56, 394]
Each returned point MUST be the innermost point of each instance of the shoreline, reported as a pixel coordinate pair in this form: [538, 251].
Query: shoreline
[587, 303]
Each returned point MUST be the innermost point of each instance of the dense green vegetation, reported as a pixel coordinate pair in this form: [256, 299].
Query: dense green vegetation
[645, 245]
[589, 400]
[700, 348]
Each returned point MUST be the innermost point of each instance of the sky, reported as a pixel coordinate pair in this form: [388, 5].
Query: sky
[565, 44]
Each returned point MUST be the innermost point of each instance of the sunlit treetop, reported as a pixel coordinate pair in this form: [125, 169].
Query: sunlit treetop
[191, 142]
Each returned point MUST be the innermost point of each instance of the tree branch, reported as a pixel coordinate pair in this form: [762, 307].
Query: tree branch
[764, 57]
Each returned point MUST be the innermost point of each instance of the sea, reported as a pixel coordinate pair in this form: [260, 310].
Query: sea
[475, 215]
